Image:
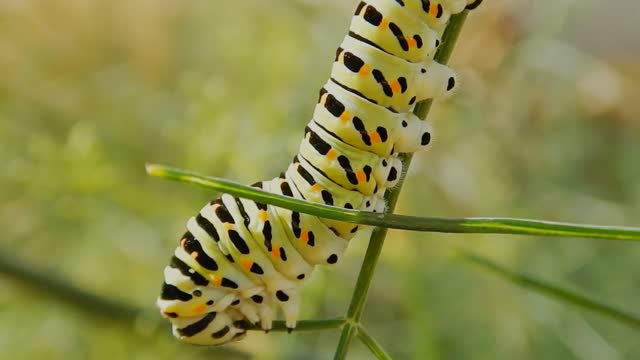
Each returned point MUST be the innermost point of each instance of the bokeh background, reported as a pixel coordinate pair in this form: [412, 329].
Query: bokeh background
[546, 125]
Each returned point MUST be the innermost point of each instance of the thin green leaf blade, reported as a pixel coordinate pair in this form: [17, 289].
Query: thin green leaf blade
[553, 291]
[473, 225]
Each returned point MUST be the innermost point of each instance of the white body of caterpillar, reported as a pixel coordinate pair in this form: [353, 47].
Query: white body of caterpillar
[240, 260]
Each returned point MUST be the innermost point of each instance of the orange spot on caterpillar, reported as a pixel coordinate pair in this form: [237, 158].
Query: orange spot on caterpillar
[384, 24]
[182, 241]
[246, 263]
[395, 86]
[360, 175]
[276, 251]
[316, 187]
[262, 215]
[433, 9]
[365, 70]
[199, 309]
[194, 254]
[228, 226]
[216, 280]
[412, 42]
[346, 116]
[304, 236]
[375, 137]
[332, 154]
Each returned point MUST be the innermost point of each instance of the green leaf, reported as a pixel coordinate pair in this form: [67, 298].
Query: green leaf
[472, 225]
[553, 291]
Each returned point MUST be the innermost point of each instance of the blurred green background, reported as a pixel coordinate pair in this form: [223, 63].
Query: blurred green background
[546, 125]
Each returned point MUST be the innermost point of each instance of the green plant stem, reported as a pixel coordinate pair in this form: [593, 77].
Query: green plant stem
[345, 339]
[372, 344]
[471, 225]
[553, 291]
[378, 236]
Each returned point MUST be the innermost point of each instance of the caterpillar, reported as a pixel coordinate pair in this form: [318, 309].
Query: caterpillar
[240, 260]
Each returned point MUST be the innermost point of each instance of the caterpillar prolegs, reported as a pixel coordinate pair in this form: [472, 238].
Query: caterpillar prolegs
[241, 260]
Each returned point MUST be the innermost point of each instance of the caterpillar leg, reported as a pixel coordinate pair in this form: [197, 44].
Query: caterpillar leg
[289, 301]
[436, 80]
[414, 134]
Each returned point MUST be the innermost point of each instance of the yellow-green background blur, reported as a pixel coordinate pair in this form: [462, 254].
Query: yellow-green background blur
[546, 125]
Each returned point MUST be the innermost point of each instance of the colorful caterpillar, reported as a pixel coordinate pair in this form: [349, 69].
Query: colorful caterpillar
[240, 259]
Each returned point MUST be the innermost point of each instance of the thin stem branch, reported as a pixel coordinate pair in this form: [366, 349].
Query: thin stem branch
[553, 291]
[375, 348]
[471, 225]
[345, 340]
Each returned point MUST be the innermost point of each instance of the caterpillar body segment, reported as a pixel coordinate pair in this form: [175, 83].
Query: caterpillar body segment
[367, 126]
[269, 233]
[200, 330]
[241, 262]
[315, 241]
[347, 166]
[256, 263]
[388, 80]
[369, 25]
[455, 6]
[314, 187]
[253, 259]
[201, 271]
[208, 298]
[432, 12]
